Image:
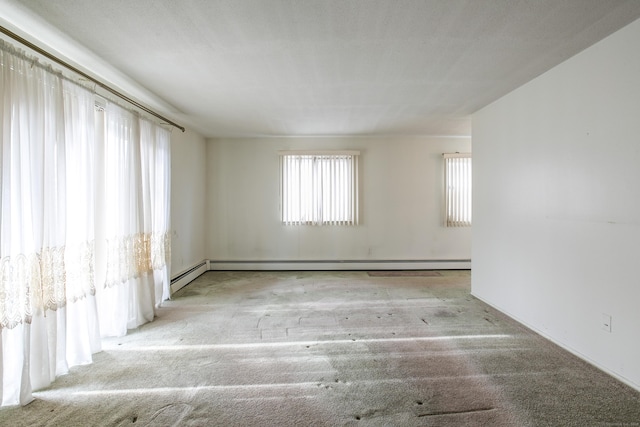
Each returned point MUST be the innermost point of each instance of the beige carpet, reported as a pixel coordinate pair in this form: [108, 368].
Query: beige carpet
[331, 349]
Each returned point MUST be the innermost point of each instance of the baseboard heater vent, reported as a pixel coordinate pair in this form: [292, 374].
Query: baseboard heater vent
[188, 275]
[411, 264]
[404, 273]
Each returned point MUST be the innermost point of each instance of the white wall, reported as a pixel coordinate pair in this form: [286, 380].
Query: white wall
[556, 237]
[401, 202]
[188, 172]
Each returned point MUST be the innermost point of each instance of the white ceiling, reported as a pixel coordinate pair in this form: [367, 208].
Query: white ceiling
[323, 67]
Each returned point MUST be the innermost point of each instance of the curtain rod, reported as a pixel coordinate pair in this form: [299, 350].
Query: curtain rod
[86, 76]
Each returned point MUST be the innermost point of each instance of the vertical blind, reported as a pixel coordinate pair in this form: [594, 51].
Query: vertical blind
[457, 176]
[319, 188]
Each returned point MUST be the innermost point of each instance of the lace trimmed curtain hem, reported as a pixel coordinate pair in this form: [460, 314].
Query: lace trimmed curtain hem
[136, 255]
[48, 280]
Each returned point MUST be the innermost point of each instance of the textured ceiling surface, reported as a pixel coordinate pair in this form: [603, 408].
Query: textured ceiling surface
[341, 67]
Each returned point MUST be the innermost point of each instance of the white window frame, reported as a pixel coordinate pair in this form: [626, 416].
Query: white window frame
[319, 187]
[457, 189]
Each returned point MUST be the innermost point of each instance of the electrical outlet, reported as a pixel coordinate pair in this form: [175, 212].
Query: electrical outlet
[606, 322]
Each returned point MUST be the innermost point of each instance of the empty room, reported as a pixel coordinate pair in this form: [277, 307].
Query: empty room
[319, 212]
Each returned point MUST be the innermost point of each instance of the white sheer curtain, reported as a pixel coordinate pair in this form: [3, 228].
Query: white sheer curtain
[47, 309]
[84, 204]
[134, 216]
[156, 183]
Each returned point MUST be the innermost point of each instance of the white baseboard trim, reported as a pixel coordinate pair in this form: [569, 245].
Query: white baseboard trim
[564, 346]
[185, 277]
[452, 264]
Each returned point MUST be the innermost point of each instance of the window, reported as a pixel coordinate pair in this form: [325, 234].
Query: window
[319, 188]
[457, 181]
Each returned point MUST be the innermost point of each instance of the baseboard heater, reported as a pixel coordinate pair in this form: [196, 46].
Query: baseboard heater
[411, 264]
[184, 278]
